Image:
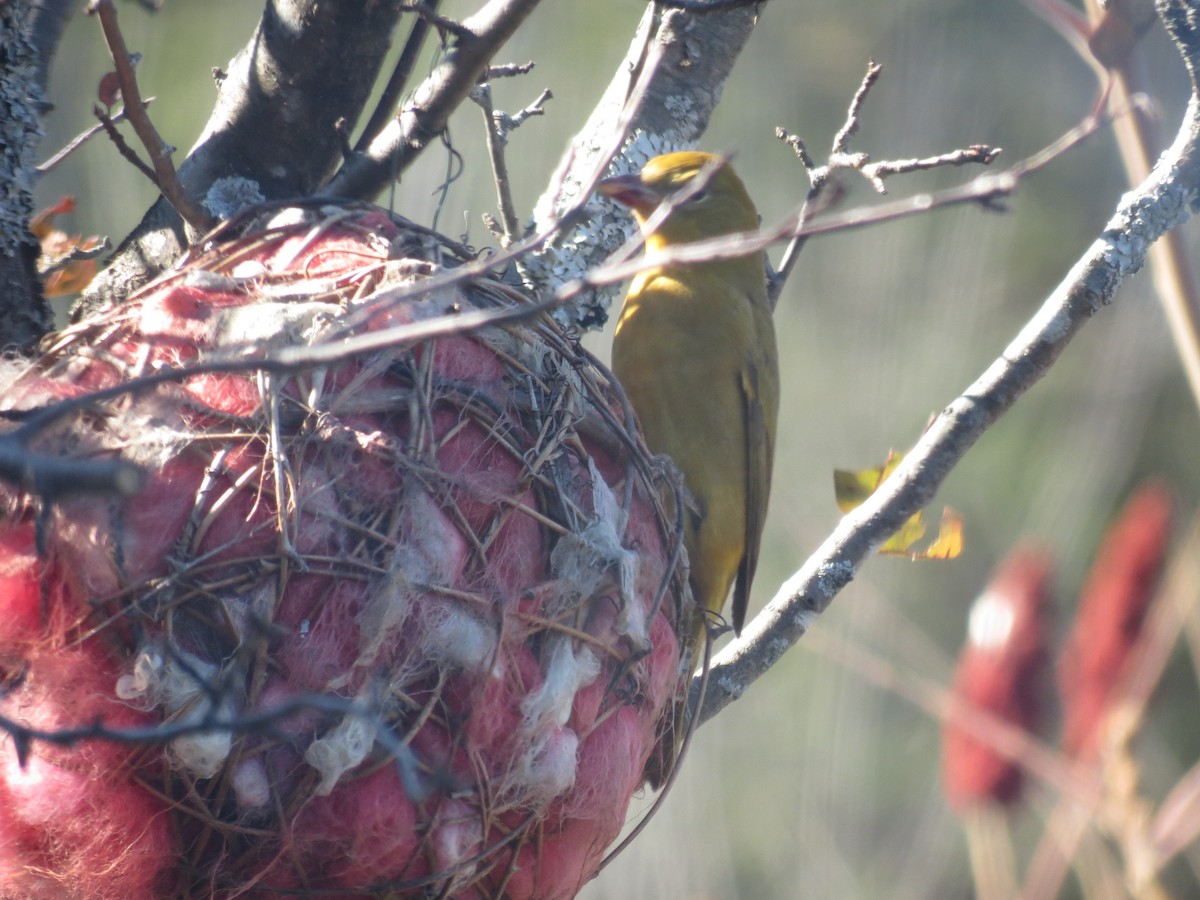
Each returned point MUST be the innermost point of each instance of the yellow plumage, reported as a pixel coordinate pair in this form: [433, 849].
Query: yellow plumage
[695, 351]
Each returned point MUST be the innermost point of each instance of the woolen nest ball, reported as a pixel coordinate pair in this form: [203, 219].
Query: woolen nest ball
[394, 611]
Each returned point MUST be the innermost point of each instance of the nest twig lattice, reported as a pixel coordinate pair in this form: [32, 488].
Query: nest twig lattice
[404, 618]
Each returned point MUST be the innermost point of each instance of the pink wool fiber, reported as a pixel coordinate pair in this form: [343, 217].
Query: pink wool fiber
[412, 605]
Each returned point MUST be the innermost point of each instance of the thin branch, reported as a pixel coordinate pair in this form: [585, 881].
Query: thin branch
[389, 100]
[822, 182]
[47, 22]
[118, 140]
[819, 179]
[1069, 24]
[447, 26]
[78, 253]
[841, 140]
[932, 697]
[399, 142]
[82, 138]
[272, 124]
[509, 70]
[1160, 203]
[160, 152]
[986, 190]
[506, 124]
[975, 154]
[510, 225]
[498, 124]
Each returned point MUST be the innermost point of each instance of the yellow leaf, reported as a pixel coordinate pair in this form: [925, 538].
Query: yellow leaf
[851, 488]
[59, 279]
[949, 542]
[900, 543]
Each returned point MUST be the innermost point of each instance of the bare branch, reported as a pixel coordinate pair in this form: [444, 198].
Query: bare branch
[509, 70]
[273, 123]
[428, 13]
[482, 96]
[82, 138]
[822, 193]
[160, 152]
[498, 124]
[78, 253]
[798, 147]
[976, 154]
[118, 141]
[841, 140]
[1160, 203]
[506, 123]
[389, 100]
[399, 142]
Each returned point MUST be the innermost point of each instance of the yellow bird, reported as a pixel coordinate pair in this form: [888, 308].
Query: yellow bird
[695, 351]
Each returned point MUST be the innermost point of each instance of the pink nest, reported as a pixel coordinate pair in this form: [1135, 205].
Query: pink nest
[387, 615]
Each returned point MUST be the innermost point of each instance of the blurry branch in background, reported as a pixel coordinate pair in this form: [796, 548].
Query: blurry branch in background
[1107, 39]
[163, 174]
[1164, 200]
[46, 22]
[1122, 637]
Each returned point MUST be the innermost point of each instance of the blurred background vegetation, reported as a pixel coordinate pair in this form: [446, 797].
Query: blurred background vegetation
[818, 783]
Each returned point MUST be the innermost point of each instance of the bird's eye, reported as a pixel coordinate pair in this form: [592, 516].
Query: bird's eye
[697, 197]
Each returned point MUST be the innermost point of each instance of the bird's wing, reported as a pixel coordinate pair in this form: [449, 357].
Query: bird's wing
[759, 450]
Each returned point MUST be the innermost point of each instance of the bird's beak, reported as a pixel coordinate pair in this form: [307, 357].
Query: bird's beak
[631, 191]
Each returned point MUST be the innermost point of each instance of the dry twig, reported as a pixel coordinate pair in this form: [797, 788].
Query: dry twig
[497, 125]
[822, 178]
[164, 175]
[83, 137]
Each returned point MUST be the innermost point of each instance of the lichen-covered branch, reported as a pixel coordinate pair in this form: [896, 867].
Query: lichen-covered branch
[697, 53]
[24, 315]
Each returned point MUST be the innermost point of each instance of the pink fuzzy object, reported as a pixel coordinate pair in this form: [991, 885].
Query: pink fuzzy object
[1003, 670]
[407, 603]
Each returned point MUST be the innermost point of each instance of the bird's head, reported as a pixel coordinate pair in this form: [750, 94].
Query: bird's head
[721, 206]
